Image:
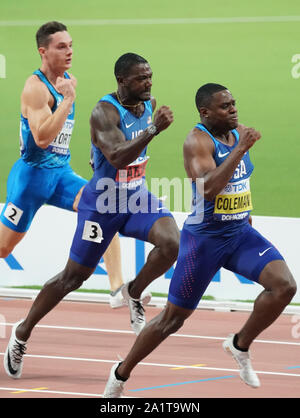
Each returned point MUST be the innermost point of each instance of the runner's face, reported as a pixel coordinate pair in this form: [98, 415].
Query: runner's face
[222, 111]
[139, 82]
[59, 51]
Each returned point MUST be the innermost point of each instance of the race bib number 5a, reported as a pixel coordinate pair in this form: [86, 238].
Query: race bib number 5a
[92, 231]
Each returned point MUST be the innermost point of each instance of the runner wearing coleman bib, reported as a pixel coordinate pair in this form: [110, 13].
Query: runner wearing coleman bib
[119, 197]
[41, 175]
[218, 234]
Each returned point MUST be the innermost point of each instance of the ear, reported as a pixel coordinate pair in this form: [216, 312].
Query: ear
[120, 80]
[42, 50]
[204, 112]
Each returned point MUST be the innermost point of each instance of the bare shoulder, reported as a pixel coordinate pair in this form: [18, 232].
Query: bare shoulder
[104, 114]
[33, 82]
[34, 91]
[197, 140]
[153, 102]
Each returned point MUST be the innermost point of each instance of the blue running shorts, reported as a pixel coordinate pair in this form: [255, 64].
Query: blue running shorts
[201, 256]
[95, 230]
[28, 188]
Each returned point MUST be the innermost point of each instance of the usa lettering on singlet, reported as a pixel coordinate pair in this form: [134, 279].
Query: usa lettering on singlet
[57, 154]
[132, 175]
[234, 202]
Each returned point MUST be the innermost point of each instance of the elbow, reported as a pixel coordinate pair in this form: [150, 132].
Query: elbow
[207, 190]
[115, 160]
[41, 143]
[209, 195]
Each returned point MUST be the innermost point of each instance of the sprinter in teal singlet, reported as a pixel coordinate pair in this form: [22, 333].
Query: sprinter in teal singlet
[43, 174]
[217, 234]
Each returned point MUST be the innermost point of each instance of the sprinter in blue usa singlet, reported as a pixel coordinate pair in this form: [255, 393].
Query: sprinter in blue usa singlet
[218, 231]
[116, 199]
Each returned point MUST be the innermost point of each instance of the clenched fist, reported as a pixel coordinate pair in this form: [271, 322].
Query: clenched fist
[66, 87]
[163, 118]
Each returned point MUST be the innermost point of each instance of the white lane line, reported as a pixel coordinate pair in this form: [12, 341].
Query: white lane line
[159, 21]
[51, 391]
[153, 364]
[122, 331]
[58, 392]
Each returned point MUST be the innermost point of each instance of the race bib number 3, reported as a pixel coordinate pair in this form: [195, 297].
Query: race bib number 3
[92, 231]
[13, 213]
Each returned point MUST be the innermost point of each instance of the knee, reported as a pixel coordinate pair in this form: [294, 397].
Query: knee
[169, 246]
[286, 289]
[169, 325]
[5, 251]
[72, 277]
[70, 282]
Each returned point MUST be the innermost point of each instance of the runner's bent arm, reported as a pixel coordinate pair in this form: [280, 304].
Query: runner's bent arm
[107, 136]
[199, 161]
[44, 124]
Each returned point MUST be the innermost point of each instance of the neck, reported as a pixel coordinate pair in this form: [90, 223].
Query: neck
[52, 73]
[217, 132]
[125, 102]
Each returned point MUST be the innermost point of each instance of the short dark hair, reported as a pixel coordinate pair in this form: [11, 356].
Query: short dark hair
[43, 34]
[205, 92]
[124, 64]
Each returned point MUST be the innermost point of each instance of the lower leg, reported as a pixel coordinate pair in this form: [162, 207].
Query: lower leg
[113, 263]
[164, 235]
[51, 294]
[154, 333]
[280, 288]
[156, 265]
[8, 240]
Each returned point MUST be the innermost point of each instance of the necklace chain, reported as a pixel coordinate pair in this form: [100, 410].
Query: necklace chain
[124, 105]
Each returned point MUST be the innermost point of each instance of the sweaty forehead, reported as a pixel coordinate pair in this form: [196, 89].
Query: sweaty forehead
[222, 96]
[140, 70]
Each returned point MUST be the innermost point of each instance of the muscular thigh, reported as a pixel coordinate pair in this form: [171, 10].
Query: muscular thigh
[151, 209]
[68, 186]
[251, 254]
[94, 231]
[199, 259]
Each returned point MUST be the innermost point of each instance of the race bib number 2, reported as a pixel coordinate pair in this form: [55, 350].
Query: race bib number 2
[13, 213]
[92, 231]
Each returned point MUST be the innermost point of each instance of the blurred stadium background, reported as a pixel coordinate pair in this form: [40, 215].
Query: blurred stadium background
[247, 46]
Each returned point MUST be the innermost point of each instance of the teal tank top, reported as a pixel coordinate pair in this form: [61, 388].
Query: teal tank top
[57, 154]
